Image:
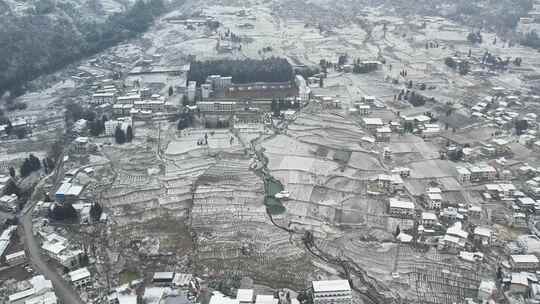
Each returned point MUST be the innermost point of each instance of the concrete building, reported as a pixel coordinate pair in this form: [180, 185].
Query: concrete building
[122, 122]
[265, 299]
[129, 99]
[433, 198]
[332, 292]
[218, 82]
[101, 98]
[163, 278]
[218, 106]
[304, 91]
[80, 278]
[428, 219]
[57, 247]
[383, 133]
[68, 192]
[486, 290]
[464, 175]
[80, 144]
[206, 90]
[519, 262]
[16, 258]
[191, 91]
[5, 239]
[149, 105]
[9, 202]
[372, 124]
[390, 183]
[245, 296]
[482, 173]
[483, 235]
[401, 208]
[80, 125]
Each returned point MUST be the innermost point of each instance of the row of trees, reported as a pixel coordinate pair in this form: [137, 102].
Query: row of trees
[57, 34]
[412, 97]
[243, 71]
[97, 126]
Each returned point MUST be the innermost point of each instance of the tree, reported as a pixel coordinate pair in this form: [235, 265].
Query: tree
[321, 82]
[185, 100]
[12, 188]
[450, 62]
[129, 134]
[12, 172]
[171, 91]
[119, 135]
[97, 127]
[275, 107]
[464, 67]
[474, 37]
[520, 126]
[342, 59]
[61, 212]
[531, 39]
[95, 211]
[398, 231]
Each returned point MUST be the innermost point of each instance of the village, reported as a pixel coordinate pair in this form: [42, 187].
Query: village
[241, 154]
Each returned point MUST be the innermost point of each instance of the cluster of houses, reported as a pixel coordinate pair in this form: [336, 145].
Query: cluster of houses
[382, 131]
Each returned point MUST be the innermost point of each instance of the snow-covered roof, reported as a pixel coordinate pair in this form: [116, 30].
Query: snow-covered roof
[244, 295]
[331, 285]
[429, 216]
[79, 274]
[265, 299]
[524, 258]
[456, 230]
[395, 203]
[373, 121]
[482, 231]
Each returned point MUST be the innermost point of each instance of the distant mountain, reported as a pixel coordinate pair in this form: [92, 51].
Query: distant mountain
[44, 35]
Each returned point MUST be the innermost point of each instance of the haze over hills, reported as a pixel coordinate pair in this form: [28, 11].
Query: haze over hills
[44, 35]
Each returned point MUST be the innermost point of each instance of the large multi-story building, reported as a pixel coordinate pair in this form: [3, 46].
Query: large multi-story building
[332, 292]
[221, 106]
[524, 262]
[401, 208]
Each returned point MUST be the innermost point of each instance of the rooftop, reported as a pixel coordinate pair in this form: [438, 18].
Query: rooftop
[79, 274]
[332, 285]
[373, 121]
[244, 295]
[395, 203]
[524, 258]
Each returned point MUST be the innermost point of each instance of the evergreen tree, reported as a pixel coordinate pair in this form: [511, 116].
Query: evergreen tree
[185, 101]
[95, 212]
[12, 172]
[129, 134]
[171, 91]
[12, 188]
[119, 135]
[63, 212]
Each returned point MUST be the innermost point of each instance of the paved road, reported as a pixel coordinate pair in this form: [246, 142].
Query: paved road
[64, 291]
